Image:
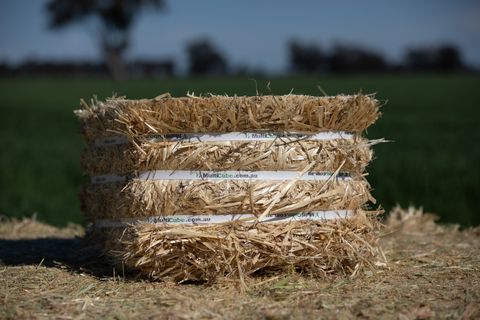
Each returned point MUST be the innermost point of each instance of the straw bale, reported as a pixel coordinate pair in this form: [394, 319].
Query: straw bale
[215, 114]
[239, 250]
[141, 198]
[233, 249]
[281, 154]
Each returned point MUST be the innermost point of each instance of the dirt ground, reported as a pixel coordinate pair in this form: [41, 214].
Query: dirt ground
[433, 272]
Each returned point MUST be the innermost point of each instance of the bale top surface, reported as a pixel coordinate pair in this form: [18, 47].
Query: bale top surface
[215, 114]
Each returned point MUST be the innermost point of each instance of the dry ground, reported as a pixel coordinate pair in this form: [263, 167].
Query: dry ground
[432, 272]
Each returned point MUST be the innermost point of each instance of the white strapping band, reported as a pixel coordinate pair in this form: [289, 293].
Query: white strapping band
[220, 175]
[226, 218]
[230, 136]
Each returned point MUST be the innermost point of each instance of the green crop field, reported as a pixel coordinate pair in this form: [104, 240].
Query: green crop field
[433, 121]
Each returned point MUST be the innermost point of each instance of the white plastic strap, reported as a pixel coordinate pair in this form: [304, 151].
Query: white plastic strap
[218, 219]
[220, 175]
[110, 141]
[231, 136]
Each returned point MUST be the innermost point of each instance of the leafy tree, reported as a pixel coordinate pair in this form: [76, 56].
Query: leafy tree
[114, 19]
[445, 58]
[205, 59]
[449, 58]
[351, 59]
[306, 58]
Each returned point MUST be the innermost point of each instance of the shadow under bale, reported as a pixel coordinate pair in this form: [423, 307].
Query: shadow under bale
[78, 254]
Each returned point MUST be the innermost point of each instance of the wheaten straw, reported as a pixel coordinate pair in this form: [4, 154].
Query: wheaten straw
[237, 250]
[343, 246]
[152, 198]
[290, 113]
[238, 155]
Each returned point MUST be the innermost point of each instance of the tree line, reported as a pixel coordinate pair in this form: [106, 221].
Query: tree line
[113, 20]
[205, 58]
[310, 58]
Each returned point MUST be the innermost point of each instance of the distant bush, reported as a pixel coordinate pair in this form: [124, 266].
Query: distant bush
[445, 58]
[205, 59]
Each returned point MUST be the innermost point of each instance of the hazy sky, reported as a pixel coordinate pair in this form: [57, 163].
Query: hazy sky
[253, 33]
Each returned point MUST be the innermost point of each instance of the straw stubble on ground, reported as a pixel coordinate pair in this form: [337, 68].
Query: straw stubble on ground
[432, 272]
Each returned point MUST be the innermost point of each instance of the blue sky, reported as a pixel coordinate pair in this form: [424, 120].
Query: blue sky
[253, 33]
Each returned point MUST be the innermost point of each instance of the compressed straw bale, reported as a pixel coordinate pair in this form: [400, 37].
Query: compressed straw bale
[141, 198]
[233, 249]
[213, 114]
[280, 154]
[239, 250]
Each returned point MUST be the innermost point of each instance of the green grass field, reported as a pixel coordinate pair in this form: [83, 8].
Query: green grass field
[433, 162]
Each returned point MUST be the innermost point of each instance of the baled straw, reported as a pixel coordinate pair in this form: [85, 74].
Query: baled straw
[214, 114]
[235, 249]
[317, 248]
[280, 154]
[141, 198]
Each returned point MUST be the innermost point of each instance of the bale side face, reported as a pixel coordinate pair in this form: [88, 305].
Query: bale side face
[238, 250]
[142, 198]
[329, 155]
[216, 114]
